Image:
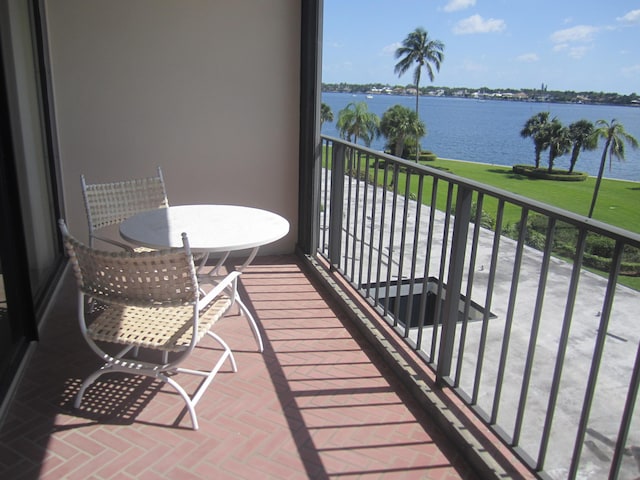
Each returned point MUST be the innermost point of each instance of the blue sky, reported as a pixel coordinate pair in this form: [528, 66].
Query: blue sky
[580, 45]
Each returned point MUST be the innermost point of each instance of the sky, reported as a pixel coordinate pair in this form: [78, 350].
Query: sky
[579, 45]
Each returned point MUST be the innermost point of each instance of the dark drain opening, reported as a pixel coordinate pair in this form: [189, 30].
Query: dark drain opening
[401, 294]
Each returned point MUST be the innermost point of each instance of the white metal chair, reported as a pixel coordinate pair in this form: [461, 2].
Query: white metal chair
[109, 204]
[148, 300]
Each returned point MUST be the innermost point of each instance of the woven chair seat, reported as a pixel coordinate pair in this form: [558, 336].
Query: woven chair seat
[161, 328]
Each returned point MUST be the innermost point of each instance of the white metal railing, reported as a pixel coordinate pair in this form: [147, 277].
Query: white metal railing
[545, 350]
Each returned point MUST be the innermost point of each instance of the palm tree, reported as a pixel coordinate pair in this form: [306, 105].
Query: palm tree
[399, 123]
[422, 51]
[559, 141]
[582, 138]
[326, 115]
[615, 137]
[536, 128]
[355, 121]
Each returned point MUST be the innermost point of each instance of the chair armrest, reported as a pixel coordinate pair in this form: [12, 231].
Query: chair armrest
[226, 282]
[124, 246]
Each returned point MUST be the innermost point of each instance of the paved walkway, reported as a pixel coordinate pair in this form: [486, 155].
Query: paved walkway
[319, 403]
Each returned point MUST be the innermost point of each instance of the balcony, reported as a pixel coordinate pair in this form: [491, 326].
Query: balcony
[529, 363]
[347, 386]
[320, 402]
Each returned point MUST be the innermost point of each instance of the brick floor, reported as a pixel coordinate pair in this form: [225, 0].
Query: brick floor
[318, 403]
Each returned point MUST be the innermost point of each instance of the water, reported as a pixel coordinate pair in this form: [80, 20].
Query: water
[488, 131]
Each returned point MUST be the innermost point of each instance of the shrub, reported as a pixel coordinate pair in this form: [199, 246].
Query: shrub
[598, 250]
[486, 220]
[543, 173]
[535, 235]
[427, 156]
[600, 246]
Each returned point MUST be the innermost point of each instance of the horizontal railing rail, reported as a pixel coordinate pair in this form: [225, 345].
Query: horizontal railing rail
[515, 304]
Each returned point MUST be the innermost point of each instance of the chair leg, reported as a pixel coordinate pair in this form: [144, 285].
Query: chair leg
[227, 350]
[106, 369]
[88, 382]
[185, 396]
[252, 323]
[190, 401]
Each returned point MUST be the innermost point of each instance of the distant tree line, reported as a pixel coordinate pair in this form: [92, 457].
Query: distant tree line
[530, 94]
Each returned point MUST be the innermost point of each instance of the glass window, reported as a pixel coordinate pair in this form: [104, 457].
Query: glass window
[29, 141]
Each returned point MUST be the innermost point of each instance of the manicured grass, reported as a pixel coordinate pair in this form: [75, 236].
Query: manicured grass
[616, 204]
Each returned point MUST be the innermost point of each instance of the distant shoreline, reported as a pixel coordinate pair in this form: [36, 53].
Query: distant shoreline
[505, 94]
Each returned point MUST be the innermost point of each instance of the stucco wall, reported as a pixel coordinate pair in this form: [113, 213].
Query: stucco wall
[207, 89]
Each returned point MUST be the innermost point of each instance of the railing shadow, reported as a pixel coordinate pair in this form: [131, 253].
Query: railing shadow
[337, 393]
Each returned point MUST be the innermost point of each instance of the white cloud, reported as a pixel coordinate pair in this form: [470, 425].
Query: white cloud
[471, 66]
[390, 49]
[578, 52]
[575, 41]
[477, 24]
[528, 57]
[455, 5]
[579, 33]
[632, 69]
[631, 17]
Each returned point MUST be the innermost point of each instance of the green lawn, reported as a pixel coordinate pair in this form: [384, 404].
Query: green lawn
[616, 200]
[615, 205]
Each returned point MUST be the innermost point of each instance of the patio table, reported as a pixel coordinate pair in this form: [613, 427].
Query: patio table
[212, 229]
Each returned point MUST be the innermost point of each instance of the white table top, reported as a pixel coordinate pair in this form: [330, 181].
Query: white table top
[210, 228]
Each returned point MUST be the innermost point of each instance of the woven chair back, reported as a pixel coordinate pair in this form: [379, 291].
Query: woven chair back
[111, 203]
[158, 278]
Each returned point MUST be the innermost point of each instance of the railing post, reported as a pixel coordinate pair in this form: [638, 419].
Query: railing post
[454, 281]
[336, 203]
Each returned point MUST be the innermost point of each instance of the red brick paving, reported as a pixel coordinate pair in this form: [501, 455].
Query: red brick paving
[318, 403]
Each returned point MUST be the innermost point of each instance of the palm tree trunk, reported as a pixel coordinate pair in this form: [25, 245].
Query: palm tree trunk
[603, 160]
[574, 158]
[417, 115]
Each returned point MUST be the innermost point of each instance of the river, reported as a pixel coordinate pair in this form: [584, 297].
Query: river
[488, 131]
